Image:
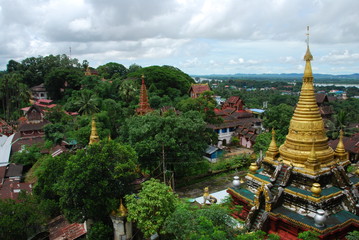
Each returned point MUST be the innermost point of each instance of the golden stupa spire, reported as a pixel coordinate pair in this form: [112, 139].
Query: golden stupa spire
[312, 163]
[306, 129]
[94, 136]
[340, 147]
[272, 149]
[340, 152]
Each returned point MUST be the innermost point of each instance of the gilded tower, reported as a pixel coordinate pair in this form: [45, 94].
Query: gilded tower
[302, 185]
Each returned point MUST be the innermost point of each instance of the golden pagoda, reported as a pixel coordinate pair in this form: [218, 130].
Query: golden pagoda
[303, 185]
[94, 136]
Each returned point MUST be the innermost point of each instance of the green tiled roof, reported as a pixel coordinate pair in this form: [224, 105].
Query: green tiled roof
[262, 177]
[332, 220]
[245, 193]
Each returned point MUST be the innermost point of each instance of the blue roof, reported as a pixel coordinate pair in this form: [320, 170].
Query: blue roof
[257, 110]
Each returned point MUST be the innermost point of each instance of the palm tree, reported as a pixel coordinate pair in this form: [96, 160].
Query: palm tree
[87, 103]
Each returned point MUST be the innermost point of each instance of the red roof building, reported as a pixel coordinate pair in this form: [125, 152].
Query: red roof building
[60, 229]
[198, 89]
[30, 129]
[10, 182]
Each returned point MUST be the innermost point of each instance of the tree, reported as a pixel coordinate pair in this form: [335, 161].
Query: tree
[263, 140]
[95, 178]
[112, 70]
[19, 220]
[60, 78]
[151, 207]
[100, 231]
[13, 95]
[308, 235]
[278, 118]
[205, 104]
[133, 68]
[352, 235]
[87, 102]
[48, 175]
[180, 139]
[165, 79]
[27, 157]
[211, 222]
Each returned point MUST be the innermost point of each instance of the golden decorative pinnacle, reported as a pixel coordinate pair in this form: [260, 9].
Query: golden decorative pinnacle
[94, 136]
[340, 147]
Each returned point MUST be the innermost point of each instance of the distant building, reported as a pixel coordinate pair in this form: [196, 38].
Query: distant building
[325, 109]
[198, 89]
[11, 181]
[39, 92]
[237, 122]
[30, 130]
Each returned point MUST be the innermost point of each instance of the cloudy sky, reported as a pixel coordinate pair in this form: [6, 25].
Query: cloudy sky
[197, 36]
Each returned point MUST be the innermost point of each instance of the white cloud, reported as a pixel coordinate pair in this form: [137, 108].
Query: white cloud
[259, 34]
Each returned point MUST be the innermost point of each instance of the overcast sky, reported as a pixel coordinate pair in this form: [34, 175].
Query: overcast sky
[197, 36]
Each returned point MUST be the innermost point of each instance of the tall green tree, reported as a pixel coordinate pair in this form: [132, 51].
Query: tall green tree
[278, 118]
[87, 102]
[211, 222]
[95, 178]
[150, 208]
[13, 95]
[19, 220]
[58, 79]
[179, 139]
[168, 80]
[112, 70]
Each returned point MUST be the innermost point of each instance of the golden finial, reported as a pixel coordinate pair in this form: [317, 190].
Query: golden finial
[340, 147]
[121, 211]
[94, 136]
[308, 56]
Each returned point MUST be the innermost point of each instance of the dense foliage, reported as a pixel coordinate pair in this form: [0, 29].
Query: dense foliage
[94, 179]
[150, 208]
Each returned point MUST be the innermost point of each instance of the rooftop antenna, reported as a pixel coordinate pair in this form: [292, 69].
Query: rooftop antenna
[70, 51]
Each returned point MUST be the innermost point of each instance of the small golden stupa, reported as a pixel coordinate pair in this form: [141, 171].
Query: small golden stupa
[94, 136]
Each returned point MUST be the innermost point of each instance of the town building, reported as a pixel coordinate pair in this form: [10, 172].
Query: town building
[30, 130]
[198, 89]
[237, 122]
[302, 185]
[39, 92]
[325, 109]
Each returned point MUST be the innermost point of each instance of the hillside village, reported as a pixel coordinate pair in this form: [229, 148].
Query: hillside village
[78, 142]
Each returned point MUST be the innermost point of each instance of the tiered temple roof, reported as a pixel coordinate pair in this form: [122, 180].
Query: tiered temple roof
[144, 106]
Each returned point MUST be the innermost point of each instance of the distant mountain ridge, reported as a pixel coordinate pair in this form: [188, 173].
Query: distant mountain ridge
[283, 77]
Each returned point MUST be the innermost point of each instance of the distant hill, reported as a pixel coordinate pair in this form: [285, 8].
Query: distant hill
[350, 78]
